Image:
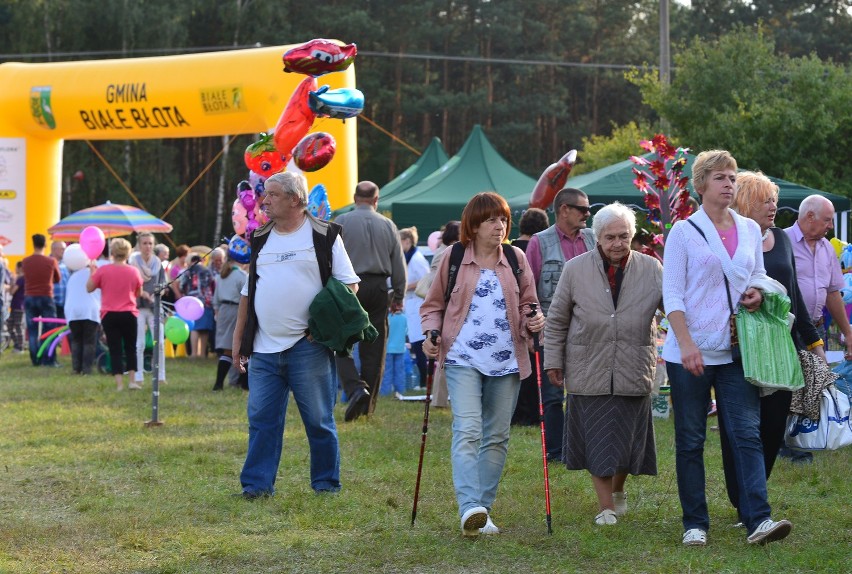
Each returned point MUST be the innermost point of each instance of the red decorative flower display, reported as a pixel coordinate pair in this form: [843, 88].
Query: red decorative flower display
[662, 182]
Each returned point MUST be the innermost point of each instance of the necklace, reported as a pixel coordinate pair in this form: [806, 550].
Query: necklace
[766, 234]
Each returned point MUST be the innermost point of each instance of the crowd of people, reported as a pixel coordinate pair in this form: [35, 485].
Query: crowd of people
[108, 306]
[474, 313]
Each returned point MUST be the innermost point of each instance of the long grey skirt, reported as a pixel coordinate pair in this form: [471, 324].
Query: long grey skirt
[226, 320]
[609, 435]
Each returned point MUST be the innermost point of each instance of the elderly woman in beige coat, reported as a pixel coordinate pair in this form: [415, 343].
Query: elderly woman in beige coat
[600, 343]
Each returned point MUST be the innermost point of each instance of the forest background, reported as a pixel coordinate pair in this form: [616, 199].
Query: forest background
[770, 81]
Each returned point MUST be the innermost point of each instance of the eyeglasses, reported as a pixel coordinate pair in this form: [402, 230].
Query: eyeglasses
[581, 208]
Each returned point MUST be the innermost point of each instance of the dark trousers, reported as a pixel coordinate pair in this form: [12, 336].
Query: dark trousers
[34, 307]
[526, 410]
[373, 296]
[553, 401]
[773, 424]
[120, 331]
[84, 340]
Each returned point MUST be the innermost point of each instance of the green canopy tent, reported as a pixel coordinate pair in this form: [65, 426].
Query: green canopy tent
[433, 157]
[615, 183]
[441, 196]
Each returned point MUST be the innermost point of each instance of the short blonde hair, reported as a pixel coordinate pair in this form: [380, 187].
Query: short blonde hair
[753, 190]
[119, 248]
[707, 162]
[409, 233]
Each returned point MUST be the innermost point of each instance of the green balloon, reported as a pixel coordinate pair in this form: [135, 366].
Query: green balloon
[177, 331]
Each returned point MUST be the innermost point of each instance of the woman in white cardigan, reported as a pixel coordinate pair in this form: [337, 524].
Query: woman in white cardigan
[709, 263]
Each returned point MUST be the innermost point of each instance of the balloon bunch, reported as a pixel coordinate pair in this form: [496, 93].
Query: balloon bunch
[289, 146]
[188, 310]
[663, 183]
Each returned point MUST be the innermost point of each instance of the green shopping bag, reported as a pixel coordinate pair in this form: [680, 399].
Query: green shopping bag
[768, 354]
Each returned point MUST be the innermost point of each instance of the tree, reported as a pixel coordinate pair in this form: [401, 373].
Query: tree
[600, 151]
[789, 117]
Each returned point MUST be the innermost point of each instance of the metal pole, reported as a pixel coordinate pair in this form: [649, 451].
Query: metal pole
[155, 360]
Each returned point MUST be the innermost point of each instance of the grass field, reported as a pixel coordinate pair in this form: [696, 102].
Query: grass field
[85, 487]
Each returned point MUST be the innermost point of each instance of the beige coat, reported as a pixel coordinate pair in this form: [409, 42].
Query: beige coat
[603, 350]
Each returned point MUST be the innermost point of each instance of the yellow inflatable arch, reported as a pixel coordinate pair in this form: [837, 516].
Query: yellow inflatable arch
[235, 92]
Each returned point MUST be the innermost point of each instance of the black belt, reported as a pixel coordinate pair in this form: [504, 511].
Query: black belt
[230, 302]
[381, 276]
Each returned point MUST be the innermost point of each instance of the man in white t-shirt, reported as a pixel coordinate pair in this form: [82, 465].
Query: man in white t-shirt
[291, 258]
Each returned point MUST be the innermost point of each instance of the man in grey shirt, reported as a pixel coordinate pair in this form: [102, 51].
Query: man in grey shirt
[372, 242]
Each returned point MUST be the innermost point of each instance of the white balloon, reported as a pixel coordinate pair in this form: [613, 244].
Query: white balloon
[74, 257]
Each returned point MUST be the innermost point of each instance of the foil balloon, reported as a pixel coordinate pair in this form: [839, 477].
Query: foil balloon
[338, 104]
[318, 202]
[256, 181]
[239, 217]
[318, 57]
[251, 225]
[239, 249]
[296, 119]
[248, 199]
[434, 240]
[314, 151]
[262, 156]
[552, 180]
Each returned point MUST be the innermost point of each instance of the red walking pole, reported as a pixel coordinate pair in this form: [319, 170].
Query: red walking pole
[430, 373]
[537, 348]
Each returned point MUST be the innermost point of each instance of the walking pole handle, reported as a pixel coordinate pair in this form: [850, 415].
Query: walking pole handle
[533, 309]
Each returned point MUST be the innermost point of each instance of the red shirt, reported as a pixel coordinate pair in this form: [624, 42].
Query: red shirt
[40, 273]
[119, 285]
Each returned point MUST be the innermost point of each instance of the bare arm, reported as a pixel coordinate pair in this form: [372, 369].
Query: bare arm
[239, 327]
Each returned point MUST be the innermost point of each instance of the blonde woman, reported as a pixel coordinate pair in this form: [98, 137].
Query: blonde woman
[120, 285]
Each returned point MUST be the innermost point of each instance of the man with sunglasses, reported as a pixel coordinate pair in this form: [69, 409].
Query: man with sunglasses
[547, 253]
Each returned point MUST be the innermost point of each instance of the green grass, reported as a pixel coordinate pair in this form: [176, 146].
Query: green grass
[85, 487]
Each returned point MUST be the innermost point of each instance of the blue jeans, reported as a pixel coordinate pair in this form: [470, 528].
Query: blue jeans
[394, 377]
[738, 402]
[307, 370]
[482, 413]
[38, 306]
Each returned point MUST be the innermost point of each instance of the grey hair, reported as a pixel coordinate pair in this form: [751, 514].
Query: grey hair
[290, 182]
[813, 204]
[610, 214]
[218, 252]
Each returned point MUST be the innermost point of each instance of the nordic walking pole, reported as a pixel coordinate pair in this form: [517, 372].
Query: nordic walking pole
[537, 348]
[430, 373]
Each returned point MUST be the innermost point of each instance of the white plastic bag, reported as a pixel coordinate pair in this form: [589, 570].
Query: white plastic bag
[832, 431]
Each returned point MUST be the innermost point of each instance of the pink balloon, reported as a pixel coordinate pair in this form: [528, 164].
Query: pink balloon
[248, 199]
[190, 308]
[92, 241]
[252, 225]
[434, 240]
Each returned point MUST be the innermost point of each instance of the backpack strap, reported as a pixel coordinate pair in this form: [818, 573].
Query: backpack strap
[456, 255]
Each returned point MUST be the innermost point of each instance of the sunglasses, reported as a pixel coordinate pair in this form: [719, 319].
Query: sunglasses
[581, 208]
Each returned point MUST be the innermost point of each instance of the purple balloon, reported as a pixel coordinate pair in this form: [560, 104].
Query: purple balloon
[189, 308]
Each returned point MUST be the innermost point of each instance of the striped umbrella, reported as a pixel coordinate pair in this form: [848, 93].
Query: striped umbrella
[113, 219]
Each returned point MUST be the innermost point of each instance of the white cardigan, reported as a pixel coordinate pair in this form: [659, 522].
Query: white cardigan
[694, 270]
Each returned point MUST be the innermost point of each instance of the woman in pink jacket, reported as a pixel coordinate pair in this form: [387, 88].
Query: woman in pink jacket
[485, 328]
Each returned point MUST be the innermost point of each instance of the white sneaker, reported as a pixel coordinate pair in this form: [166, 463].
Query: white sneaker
[695, 537]
[473, 519]
[770, 531]
[606, 517]
[619, 499]
[489, 528]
